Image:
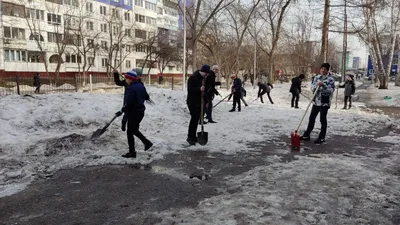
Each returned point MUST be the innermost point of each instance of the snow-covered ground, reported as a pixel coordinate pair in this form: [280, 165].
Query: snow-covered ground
[378, 96]
[47, 133]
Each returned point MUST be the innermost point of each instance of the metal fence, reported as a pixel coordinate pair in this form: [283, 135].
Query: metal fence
[24, 85]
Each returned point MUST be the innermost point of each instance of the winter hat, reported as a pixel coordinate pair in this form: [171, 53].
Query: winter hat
[131, 74]
[326, 65]
[233, 76]
[205, 68]
[301, 76]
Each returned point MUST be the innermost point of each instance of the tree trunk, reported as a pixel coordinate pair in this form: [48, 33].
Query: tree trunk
[325, 27]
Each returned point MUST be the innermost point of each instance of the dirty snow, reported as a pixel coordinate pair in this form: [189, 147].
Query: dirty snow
[44, 134]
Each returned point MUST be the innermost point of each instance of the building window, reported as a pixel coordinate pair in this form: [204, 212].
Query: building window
[151, 21]
[104, 62]
[150, 6]
[53, 19]
[140, 63]
[35, 57]
[14, 55]
[140, 18]
[10, 9]
[34, 14]
[73, 39]
[89, 25]
[71, 2]
[103, 27]
[170, 68]
[140, 48]
[103, 10]
[60, 2]
[54, 37]
[14, 33]
[90, 61]
[127, 16]
[159, 10]
[116, 30]
[139, 3]
[90, 43]
[104, 45]
[128, 64]
[73, 58]
[36, 37]
[128, 48]
[127, 2]
[89, 7]
[140, 34]
[115, 13]
[128, 32]
[71, 21]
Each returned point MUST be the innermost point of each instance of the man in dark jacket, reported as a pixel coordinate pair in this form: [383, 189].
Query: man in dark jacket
[134, 108]
[349, 90]
[295, 89]
[237, 92]
[36, 82]
[195, 88]
[210, 84]
[264, 89]
[124, 84]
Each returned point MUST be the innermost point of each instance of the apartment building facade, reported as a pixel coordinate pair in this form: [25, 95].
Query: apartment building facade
[72, 36]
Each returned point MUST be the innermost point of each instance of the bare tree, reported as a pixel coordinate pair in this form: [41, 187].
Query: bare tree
[273, 14]
[120, 36]
[85, 34]
[197, 22]
[35, 20]
[381, 36]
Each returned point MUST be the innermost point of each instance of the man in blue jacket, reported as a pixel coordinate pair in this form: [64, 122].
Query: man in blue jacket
[134, 108]
[324, 84]
[237, 92]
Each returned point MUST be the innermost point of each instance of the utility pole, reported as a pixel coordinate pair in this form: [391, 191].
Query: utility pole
[344, 55]
[184, 47]
[255, 54]
[325, 27]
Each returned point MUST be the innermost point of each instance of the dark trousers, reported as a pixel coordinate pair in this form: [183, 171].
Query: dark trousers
[209, 109]
[311, 122]
[124, 120]
[295, 100]
[37, 90]
[194, 121]
[269, 97]
[236, 100]
[345, 101]
[134, 120]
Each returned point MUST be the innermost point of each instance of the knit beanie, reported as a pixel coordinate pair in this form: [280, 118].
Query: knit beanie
[205, 68]
[131, 74]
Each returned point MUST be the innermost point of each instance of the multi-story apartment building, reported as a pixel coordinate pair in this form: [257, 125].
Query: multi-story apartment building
[72, 36]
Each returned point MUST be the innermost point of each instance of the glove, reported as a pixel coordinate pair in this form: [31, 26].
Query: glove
[119, 113]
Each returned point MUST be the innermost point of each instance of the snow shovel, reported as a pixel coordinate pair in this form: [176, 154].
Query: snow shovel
[202, 137]
[294, 136]
[221, 101]
[101, 131]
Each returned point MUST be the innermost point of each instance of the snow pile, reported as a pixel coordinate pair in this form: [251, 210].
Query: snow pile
[49, 132]
[378, 96]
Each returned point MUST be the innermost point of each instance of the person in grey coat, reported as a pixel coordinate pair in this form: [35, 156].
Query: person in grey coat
[349, 90]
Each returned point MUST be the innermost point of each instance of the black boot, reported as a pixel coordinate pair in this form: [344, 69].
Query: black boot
[148, 146]
[131, 154]
[319, 141]
[232, 110]
[191, 141]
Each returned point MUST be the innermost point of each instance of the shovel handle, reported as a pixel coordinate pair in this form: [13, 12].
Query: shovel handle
[304, 115]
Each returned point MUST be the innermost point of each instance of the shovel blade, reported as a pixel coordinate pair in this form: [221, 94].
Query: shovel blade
[97, 133]
[202, 138]
[295, 140]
